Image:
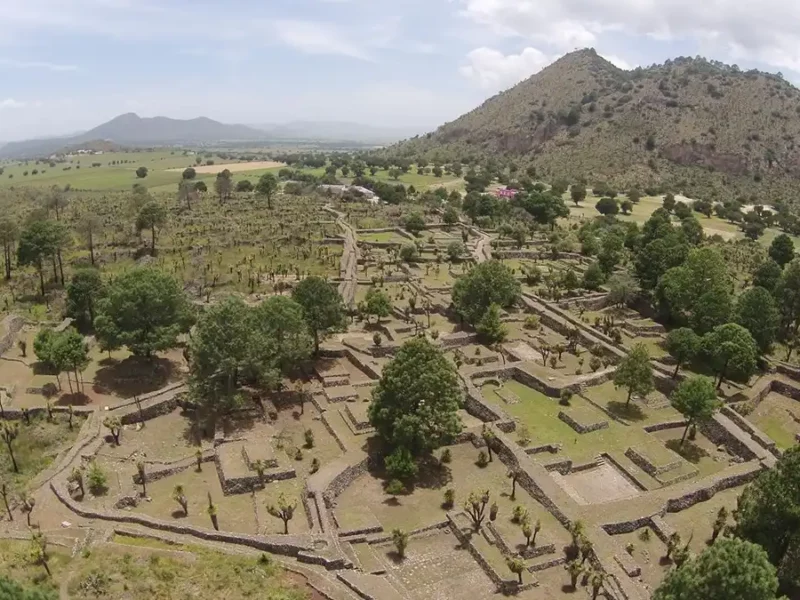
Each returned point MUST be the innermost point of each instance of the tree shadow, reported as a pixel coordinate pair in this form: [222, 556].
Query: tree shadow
[631, 412]
[664, 561]
[178, 514]
[569, 589]
[42, 368]
[134, 376]
[433, 474]
[690, 451]
[237, 422]
[75, 399]
[395, 557]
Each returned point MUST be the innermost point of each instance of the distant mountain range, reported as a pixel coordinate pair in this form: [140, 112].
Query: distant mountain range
[131, 130]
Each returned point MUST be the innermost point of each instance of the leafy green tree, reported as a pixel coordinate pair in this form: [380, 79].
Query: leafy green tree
[490, 327]
[11, 590]
[659, 256]
[44, 349]
[488, 283]
[768, 514]
[145, 310]
[622, 289]
[9, 233]
[611, 253]
[415, 404]
[414, 223]
[189, 173]
[757, 312]
[401, 465]
[152, 216]
[377, 303]
[607, 206]
[782, 250]
[516, 565]
[635, 373]
[696, 399]
[593, 277]
[767, 275]
[683, 344]
[455, 250]
[578, 193]
[788, 295]
[141, 172]
[731, 352]
[545, 207]
[71, 354]
[669, 202]
[731, 569]
[266, 187]
[409, 253]
[450, 216]
[698, 292]
[38, 242]
[692, 230]
[83, 292]
[223, 185]
[280, 340]
[323, 308]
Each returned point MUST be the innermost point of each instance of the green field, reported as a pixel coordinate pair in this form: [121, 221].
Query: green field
[79, 174]
[648, 205]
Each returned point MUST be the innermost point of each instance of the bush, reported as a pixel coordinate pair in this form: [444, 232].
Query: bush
[401, 465]
[446, 456]
[532, 322]
[449, 497]
[483, 459]
[566, 397]
[97, 480]
[395, 487]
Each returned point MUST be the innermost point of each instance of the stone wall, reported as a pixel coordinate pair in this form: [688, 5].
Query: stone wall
[707, 492]
[283, 545]
[11, 325]
[759, 436]
[581, 428]
[166, 470]
[721, 435]
[648, 467]
[346, 477]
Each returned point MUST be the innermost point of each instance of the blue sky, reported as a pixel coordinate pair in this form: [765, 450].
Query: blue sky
[67, 65]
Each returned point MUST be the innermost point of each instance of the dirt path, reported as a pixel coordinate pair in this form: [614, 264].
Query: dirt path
[349, 266]
[233, 167]
[483, 250]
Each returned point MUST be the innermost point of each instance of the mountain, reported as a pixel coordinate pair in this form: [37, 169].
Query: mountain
[690, 124]
[132, 130]
[338, 131]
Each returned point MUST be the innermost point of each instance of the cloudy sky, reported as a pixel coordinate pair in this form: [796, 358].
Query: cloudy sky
[67, 65]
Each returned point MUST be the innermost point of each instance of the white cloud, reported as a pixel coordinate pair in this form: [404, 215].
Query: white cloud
[317, 38]
[492, 70]
[766, 31]
[33, 64]
[11, 103]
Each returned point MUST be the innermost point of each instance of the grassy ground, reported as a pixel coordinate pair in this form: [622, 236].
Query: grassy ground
[647, 206]
[778, 416]
[35, 448]
[139, 573]
[539, 414]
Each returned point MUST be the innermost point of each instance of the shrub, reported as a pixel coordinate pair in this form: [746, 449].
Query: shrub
[483, 459]
[446, 456]
[395, 487]
[97, 480]
[449, 497]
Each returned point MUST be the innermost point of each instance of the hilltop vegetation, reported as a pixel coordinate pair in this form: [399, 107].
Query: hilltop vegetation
[690, 125]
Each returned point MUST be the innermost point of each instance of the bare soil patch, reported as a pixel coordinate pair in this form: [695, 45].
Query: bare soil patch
[234, 167]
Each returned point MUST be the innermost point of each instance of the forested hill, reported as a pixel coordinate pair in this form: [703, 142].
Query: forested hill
[691, 125]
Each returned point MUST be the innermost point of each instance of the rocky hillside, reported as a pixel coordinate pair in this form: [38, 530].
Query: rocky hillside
[692, 125]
